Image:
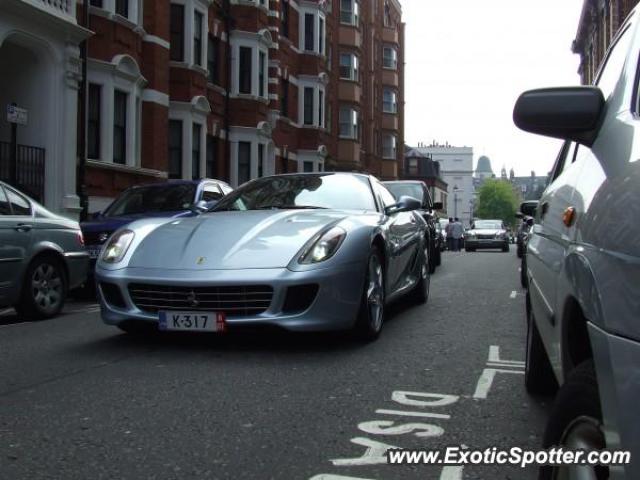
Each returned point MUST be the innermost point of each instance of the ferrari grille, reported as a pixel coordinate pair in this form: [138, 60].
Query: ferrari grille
[234, 301]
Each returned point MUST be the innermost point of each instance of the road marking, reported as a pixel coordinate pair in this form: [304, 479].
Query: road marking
[502, 365]
[413, 414]
[513, 294]
[494, 357]
[376, 454]
[451, 473]
[486, 380]
[328, 476]
[440, 400]
[385, 427]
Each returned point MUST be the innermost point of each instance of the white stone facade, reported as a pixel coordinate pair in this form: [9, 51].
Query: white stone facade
[456, 168]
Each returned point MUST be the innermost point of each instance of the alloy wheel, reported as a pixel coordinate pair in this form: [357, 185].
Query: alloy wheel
[375, 293]
[47, 287]
[584, 433]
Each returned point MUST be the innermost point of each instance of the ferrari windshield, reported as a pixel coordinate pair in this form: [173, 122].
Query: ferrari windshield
[329, 190]
[487, 225]
[166, 198]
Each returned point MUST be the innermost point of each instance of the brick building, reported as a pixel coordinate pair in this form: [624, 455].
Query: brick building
[230, 89]
[419, 166]
[599, 22]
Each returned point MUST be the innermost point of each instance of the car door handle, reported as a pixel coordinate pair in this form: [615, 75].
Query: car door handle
[23, 227]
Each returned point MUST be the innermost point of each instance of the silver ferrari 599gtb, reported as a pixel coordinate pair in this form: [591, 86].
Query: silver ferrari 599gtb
[304, 252]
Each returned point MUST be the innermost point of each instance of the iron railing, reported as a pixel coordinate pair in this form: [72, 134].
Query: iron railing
[29, 169]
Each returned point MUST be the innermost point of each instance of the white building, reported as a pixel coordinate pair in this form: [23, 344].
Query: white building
[40, 71]
[456, 169]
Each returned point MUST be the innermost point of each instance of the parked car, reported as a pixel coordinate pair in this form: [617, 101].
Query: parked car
[42, 256]
[443, 222]
[303, 252]
[583, 262]
[487, 234]
[172, 199]
[418, 189]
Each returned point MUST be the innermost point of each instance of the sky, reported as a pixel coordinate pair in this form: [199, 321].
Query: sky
[467, 61]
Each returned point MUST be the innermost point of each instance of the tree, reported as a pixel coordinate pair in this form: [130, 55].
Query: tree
[497, 200]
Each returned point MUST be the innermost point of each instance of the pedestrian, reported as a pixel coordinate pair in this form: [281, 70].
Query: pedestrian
[447, 232]
[456, 232]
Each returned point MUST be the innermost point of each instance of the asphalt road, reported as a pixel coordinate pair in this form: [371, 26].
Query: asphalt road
[81, 400]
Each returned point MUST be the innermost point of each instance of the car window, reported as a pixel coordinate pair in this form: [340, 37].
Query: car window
[226, 189]
[385, 195]
[565, 158]
[211, 193]
[4, 203]
[409, 189]
[613, 63]
[165, 198]
[19, 204]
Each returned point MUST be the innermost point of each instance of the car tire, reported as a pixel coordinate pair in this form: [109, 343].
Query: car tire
[575, 421]
[432, 260]
[519, 251]
[371, 313]
[438, 256]
[538, 374]
[420, 293]
[44, 290]
[138, 328]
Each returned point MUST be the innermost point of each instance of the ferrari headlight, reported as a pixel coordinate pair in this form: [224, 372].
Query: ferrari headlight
[324, 247]
[117, 246]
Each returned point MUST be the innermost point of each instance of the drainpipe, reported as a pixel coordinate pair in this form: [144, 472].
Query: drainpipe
[81, 188]
[227, 122]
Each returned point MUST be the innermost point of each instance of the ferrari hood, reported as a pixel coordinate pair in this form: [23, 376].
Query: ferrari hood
[231, 240]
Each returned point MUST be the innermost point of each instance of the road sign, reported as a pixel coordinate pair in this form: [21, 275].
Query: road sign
[16, 115]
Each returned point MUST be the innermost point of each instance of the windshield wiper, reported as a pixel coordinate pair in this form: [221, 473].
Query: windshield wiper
[289, 207]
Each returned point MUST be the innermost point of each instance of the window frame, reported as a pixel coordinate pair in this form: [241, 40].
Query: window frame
[394, 57]
[198, 34]
[353, 123]
[393, 103]
[177, 54]
[120, 157]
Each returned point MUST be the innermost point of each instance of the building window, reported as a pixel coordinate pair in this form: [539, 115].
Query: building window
[349, 66]
[307, 167]
[348, 122]
[284, 19]
[244, 162]
[413, 167]
[284, 105]
[308, 105]
[320, 108]
[175, 149]
[212, 155]
[262, 79]
[93, 131]
[309, 22]
[389, 101]
[120, 127]
[260, 160]
[389, 57]
[176, 35]
[198, 20]
[122, 8]
[245, 70]
[387, 15]
[96, 3]
[321, 35]
[389, 146]
[349, 12]
[213, 59]
[195, 151]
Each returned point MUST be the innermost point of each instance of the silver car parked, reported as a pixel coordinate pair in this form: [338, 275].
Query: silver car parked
[583, 262]
[42, 256]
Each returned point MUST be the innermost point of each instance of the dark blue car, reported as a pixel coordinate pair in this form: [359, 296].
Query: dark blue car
[174, 198]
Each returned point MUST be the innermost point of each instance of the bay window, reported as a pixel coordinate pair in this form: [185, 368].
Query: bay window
[389, 101]
[262, 73]
[120, 127]
[308, 105]
[213, 59]
[93, 132]
[349, 12]
[195, 151]
[389, 146]
[212, 156]
[348, 122]
[312, 30]
[244, 162]
[309, 23]
[250, 67]
[389, 57]
[176, 34]
[198, 20]
[245, 71]
[312, 103]
[349, 66]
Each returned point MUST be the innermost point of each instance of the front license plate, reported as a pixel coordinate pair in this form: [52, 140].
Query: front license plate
[192, 321]
[94, 252]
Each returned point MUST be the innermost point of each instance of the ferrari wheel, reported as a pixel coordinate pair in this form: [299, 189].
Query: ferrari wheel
[421, 291]
[371, 314]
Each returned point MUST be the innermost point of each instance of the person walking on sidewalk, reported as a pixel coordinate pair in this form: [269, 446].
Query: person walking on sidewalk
[447, 233]
[456, 232]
